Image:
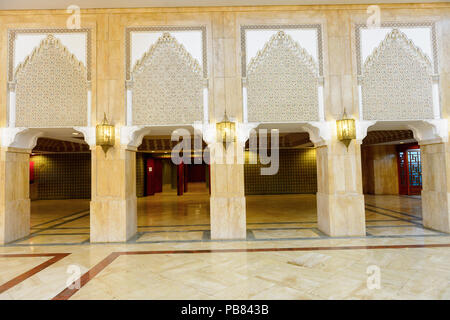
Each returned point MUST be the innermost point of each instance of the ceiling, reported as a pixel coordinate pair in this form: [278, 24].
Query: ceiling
[389, 137]
[63, 140]
[46, 145]
[84, 4]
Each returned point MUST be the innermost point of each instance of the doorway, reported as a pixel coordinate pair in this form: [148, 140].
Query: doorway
[162, 175]
[409, 169]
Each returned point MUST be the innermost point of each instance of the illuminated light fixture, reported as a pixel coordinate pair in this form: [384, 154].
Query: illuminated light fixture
[226, 130]
[346, 129]
[105, 136]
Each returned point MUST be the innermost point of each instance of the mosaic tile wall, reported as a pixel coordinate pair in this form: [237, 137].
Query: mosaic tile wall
[63, 176]
[297, 174]
[140, 174]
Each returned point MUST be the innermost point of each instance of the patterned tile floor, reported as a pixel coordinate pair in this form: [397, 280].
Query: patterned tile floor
[285, 256]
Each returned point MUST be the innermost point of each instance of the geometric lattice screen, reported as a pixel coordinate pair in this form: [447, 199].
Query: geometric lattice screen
[51, 88]
[167, 85]
[397, 81]
[282, 83]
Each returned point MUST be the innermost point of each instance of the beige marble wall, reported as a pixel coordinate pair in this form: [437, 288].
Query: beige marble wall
[224, 46]
[340, 195]
[14, 195]
[340, 202]
[436, 186]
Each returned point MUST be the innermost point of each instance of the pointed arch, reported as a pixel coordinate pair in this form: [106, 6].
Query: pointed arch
[282, 83]
[51, 88]
[167, 85]
[397, 81]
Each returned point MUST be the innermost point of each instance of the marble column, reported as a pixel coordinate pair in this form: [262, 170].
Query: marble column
[113, 205]
[435, 159]
[227, 202]
[340, 201]
[14, 194]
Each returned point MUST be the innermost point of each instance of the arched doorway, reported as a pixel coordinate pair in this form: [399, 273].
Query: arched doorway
[59, 188]
[173, 198]
[280, 203]
[392, 182]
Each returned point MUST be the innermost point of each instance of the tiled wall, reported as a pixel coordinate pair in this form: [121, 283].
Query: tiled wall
[63, 176]
[297, 174]
[140, 174]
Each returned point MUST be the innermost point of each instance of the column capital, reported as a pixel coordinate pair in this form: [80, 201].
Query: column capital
[19, 138]
[131, 136]
[89, 135]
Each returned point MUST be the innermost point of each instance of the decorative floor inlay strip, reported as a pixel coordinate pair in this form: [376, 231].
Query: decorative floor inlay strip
[13, 282]
[94, 271]
[394, 211]
[60, 218]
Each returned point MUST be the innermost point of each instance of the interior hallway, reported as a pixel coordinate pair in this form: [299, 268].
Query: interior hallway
[166, 217]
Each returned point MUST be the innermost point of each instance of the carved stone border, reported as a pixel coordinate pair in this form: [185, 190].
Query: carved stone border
[128, 31]
[431, 25]
[11, 48]
[244, 28]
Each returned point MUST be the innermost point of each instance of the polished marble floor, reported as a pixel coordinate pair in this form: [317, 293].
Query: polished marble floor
[285, 255]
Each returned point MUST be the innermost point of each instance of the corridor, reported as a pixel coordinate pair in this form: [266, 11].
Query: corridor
[168, 218]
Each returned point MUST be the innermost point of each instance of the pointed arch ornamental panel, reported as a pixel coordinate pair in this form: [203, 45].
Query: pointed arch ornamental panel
[397, 81]
[51, 88]
[167, 85]
[282, 83]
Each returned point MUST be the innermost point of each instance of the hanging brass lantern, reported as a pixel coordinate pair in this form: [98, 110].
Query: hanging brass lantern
[346, 129]
[226, 130]
[105, 135]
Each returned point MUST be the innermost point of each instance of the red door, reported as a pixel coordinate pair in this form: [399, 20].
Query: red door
[409, 169]
[158, 176]
[196, 172]
[31, 171]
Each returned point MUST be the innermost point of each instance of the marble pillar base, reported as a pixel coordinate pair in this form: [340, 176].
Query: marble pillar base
[435, 210]
[15, 220]
[341, 214]
[113, 220]
[228, 219]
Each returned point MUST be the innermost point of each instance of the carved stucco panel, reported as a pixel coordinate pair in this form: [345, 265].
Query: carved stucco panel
[167, 85]
[397, 81]
[282, 83]
[51, 88]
